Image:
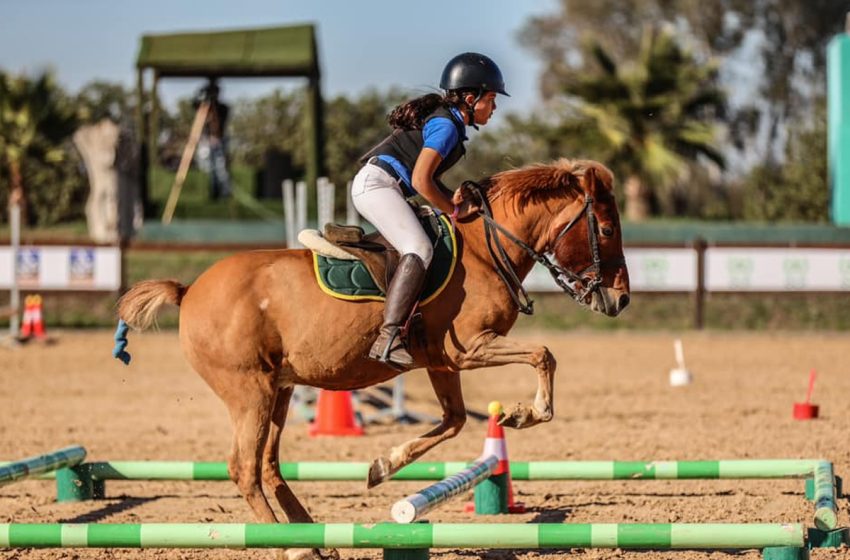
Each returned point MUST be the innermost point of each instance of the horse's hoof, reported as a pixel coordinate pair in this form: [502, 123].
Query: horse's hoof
[378, 472]
[329, 554]
[517, 417]
[301, 554]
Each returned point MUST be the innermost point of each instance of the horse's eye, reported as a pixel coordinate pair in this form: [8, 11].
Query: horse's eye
[607, 231]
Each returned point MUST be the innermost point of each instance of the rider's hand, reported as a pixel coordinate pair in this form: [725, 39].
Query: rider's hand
[461, 194]
[464, 201]
[466, 210]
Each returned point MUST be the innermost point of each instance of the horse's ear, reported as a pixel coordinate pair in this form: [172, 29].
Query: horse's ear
[590, 181]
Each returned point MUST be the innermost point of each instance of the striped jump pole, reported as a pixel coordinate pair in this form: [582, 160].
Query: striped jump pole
[38, 464]
[662, 536]
[416, 505]
[666, 470]
[826, 517]
[520, 470]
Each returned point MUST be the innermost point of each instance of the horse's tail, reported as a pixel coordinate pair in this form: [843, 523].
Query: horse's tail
[139, 306]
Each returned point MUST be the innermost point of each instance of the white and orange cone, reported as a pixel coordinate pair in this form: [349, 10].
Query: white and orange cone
[38, 319]
[26, 319]
[487, 497]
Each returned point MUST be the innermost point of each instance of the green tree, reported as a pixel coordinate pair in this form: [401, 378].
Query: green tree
[656, 115]
[783, 41]
[352, 127]
[275, 121]
[35, 118]
[797, 189]
[100, 100]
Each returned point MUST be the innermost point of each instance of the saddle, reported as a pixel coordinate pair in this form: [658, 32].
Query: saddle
[351, 264]
[373, 250]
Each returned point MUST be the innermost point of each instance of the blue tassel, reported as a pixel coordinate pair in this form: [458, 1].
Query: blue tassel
[120, 352]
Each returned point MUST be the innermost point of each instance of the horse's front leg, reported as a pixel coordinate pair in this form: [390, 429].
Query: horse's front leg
[491, 349]
[447, 387]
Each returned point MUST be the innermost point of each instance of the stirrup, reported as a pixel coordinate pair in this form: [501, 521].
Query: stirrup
[384, 356]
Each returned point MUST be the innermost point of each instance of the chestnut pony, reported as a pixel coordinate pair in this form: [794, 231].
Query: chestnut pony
[256, 324]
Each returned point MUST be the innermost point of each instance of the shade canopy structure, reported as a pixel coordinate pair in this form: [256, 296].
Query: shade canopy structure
[286, 52]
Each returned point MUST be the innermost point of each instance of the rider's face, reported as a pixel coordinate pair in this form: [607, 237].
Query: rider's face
[484, 107]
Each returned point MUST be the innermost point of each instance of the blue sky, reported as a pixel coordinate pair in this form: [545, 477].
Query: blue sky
[362, 44]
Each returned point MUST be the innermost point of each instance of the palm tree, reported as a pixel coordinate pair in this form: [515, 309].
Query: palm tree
[34, 120]
[656, 114]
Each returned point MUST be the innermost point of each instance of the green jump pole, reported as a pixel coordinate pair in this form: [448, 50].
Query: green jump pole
[402, 536]
[31, 466]
[520, 470]
[826, 517]
[656, 470]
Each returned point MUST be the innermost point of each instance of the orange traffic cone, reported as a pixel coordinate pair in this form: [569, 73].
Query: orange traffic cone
[38, 319]
[26, 319]
[488, 497]
[495, 444]
[334, 415]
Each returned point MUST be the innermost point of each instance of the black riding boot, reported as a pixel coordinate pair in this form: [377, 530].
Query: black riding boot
[402, 294]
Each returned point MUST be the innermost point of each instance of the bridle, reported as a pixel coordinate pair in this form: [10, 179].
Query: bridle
[590, 277]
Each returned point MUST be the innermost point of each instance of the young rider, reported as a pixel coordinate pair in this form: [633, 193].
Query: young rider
[427, 139]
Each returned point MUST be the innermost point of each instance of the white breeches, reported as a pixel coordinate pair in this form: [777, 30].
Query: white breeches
[379, 198]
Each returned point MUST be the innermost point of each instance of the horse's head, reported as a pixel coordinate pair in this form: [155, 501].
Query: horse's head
[586, 239]
[576, 220]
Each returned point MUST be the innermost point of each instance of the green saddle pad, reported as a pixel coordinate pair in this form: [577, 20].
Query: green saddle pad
[346, 279]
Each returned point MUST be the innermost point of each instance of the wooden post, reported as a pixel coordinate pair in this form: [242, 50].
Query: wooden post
[699, 294]
[186, 161]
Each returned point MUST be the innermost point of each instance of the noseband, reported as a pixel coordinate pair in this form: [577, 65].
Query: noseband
[590, 277]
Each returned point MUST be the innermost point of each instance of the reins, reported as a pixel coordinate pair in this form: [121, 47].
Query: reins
[562, 276]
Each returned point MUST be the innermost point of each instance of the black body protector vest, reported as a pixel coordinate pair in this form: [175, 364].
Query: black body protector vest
[405, 145]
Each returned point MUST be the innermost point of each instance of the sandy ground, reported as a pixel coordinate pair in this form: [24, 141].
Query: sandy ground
[613, 402]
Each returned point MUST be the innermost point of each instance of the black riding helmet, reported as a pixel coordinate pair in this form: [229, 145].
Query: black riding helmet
[475, 72]
[472, 71]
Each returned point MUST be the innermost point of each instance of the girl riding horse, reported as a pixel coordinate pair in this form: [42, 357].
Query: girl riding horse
[427, 139]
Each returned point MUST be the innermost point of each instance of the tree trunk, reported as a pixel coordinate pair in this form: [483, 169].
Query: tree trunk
[637, 199]
[17, 194]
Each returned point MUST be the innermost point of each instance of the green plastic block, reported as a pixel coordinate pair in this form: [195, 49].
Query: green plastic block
[491, 495]
[827, 539]
[406, 553]
[74, 484]
[785, 553]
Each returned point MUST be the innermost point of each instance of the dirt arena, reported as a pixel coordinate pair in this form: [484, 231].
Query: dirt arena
[613, 402]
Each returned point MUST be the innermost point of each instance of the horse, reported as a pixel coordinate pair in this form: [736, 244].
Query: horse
[255, 324]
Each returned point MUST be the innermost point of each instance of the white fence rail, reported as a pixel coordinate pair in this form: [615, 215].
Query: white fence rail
[727, 269]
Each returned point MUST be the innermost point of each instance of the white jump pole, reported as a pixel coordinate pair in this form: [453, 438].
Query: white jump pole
[325, 191]
[352, 217]
[289, 213]
[301, 207]
[416, 505]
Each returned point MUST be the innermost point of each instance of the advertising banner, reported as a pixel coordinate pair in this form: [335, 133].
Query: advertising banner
[62, 268]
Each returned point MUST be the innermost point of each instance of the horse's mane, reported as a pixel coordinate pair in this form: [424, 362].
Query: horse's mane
[540, 180]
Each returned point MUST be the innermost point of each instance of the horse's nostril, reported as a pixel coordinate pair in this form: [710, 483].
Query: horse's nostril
[623, 301]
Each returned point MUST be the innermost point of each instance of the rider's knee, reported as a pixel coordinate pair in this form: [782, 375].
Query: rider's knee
[424, 251]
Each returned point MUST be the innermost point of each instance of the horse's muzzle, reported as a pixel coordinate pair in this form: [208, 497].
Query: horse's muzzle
[609, 301]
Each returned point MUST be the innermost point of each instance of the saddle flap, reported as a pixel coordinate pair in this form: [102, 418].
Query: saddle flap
[377, 260]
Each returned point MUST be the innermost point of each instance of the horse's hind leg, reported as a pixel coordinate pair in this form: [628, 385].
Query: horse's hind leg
[447, 387]
[272, 478]
[292, 508]
[250, 410]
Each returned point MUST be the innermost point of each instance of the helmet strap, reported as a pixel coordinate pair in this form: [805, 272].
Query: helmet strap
[471, 109]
